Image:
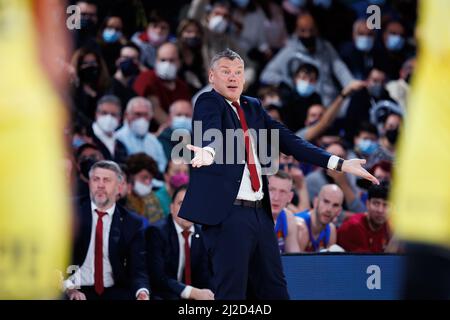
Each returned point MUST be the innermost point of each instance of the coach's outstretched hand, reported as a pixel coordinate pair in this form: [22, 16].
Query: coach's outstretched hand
[354, 166]
[202, 157]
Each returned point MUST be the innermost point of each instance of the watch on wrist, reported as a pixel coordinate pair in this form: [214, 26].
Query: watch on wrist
[339, 165]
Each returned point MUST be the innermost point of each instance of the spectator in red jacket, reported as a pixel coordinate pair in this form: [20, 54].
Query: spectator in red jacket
[368, 232]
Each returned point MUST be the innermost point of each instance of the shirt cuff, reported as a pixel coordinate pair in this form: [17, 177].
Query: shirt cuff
[210, 150]
[142, 290]
[186, 293]
[333, 162]
[68, 284]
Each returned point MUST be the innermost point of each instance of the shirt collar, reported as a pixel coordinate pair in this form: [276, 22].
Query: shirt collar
[109, 211]
[180, 229]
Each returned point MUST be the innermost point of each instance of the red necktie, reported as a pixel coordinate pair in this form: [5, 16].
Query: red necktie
[98, 263]
[248, 148]
[187, 258]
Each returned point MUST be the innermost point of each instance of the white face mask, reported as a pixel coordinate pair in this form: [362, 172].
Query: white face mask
[140, 127]
[166, 70]
[155, 38]
[107, 123]
[141, 189]
[182, 122]
[218, 24]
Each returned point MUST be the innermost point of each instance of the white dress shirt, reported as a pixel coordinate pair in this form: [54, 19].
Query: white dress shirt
[85, 275]
[181, 257]
[245, 189]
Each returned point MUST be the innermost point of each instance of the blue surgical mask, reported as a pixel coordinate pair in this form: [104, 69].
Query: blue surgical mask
[305, 88]
[366, 146]
[364, 43]
[77, 142]
[395, 42]
[111, 35]
[182, 122]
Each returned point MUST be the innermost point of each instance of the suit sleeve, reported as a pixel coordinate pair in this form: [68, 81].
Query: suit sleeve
[156, 264]
[138, 261]
[208, 114]
[291, 144]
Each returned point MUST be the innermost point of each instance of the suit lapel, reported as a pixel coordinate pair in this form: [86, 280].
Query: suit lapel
[114, 232]
[195, 245]
[174, 245]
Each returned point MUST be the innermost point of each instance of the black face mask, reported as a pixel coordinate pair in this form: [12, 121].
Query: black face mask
[308, 42]
[129, 68]
[85, 165]
[89, 74]
[392, 136]
[87, 25]
[193, 42]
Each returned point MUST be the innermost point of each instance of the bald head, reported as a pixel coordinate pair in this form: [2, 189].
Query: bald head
[168, 52]
[328, 204]
[306, 26]
[332, 192]
[181, 108]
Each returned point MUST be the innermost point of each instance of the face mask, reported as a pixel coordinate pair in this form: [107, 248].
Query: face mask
[392, 135]
[178, 180]
[87, 25]
[193, 42]
[323, 3]
[141, 189]
[305, 88]
[366, 146]
[375, 90]
[297, 3]
[308, 42]
[111, 35]
[364, 43]
[182, 122]
[241, 3]
[77, 142]
[218, 24]
[129, 67]
[155, 38]
[107, 123]
[166, 70]
[86, 164]
[89, 74]
[395, 42]
[140, 127]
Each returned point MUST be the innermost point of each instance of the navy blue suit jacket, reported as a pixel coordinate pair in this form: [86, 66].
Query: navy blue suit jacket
[213, 189]
[126, 246]
[163, 257]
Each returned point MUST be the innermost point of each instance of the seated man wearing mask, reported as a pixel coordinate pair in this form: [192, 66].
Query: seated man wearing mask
[162, 85]
[128, 68]
[298, 99]
[180, 117]
[107, 120]
[134, 133]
